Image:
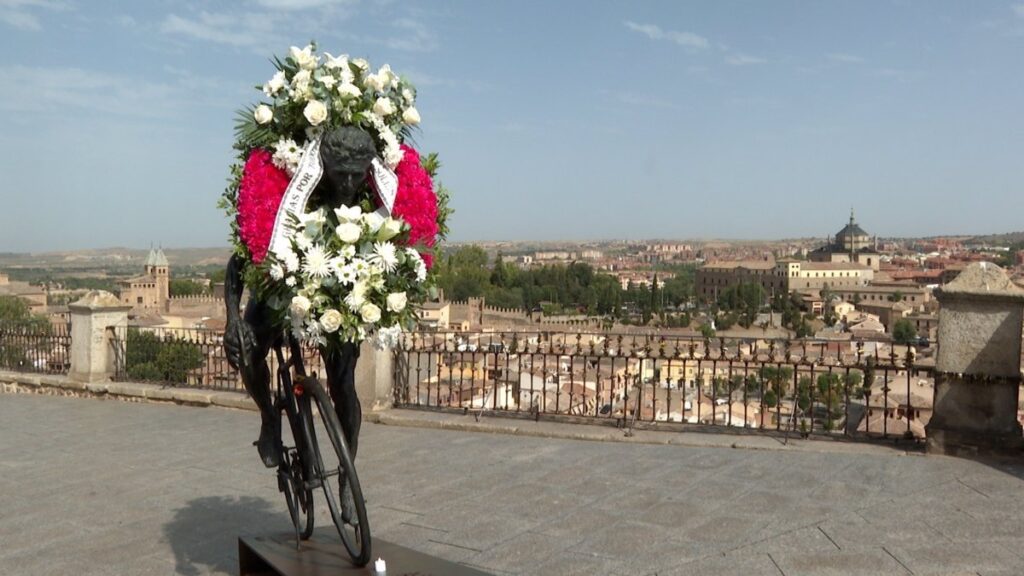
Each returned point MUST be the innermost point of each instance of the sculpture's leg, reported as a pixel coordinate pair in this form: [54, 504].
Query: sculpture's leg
[256, 377]
[341, 380]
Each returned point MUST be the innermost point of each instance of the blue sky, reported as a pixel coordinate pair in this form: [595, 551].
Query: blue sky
[554, 119]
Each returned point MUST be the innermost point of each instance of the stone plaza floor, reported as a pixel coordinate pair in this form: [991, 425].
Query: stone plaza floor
[101, 487]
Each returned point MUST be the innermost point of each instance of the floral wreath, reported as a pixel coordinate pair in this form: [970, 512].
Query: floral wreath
[335, 273]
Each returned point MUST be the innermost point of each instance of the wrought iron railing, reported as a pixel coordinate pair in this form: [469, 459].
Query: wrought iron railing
[35, 347]
[852, 389]
[190, 357]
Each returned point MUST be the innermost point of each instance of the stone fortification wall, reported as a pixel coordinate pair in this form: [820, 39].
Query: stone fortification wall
[197, 306]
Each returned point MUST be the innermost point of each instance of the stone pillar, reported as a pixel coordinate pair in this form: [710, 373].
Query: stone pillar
[375, 378]
[977, 366]
[92, 352]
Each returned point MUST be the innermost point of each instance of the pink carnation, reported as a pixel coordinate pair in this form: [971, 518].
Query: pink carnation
[259, 196]
[416, 202]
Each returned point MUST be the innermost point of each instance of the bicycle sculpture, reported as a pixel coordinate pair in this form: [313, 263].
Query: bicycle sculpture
[334, 225]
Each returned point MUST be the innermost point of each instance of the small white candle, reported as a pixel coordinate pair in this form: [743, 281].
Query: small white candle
[380, 566]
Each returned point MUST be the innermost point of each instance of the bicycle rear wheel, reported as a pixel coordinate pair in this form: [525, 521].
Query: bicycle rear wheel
[291, 481]
[336, 470]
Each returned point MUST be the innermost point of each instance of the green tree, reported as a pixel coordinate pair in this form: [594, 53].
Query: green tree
[903, 332]
[185, 287]
[150, 358]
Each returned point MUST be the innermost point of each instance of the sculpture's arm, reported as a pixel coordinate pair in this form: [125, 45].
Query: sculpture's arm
[238, 335]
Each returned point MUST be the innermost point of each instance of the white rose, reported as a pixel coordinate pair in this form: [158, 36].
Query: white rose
[315, 112]
[361, 63]
[411, 116]
[304, 57]
[397, 301]
[407, 95]
[389, 229]
[383, 107]
[373, 221]
[348, 90]
[349, 232]
[263, 114]
[330, 321]
[300, 306]
[370, 312]
[348, 213]
[374, 82]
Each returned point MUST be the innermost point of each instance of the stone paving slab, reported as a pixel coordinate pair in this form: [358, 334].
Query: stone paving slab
[100, 487]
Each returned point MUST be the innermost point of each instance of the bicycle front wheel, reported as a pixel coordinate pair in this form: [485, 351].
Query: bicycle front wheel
[340, 482]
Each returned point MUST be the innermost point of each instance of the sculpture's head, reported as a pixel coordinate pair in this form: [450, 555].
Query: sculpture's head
[346, 152]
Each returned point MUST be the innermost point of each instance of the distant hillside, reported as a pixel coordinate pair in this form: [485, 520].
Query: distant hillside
[1007, 239]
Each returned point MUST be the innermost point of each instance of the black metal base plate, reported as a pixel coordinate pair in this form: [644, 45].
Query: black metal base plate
[324, 554]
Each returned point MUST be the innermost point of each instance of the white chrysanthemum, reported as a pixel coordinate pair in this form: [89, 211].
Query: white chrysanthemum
[303, 241]
[357, 297]
[385, 256]
[288, 259]
[347, 252]
[361, 268]
[346, 274]
[274, 85]
[388, 337]
[276, 272]
[287, 155]
[418, 264]
[289, 281]
[318, 262]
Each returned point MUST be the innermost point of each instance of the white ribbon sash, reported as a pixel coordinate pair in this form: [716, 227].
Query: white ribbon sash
[307, 176]
[386, 182]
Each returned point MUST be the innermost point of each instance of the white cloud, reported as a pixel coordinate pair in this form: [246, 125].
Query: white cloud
[844, 58]
[59, 92]
[248, 29]
[413, 36]
[743, 60]
[19, 13]
[685, 39]
[638, 100]
[301, 4]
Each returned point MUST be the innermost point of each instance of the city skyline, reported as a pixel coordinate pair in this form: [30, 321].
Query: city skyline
[598, 121]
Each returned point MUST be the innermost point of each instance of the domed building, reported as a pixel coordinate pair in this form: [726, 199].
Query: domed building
[851, 244]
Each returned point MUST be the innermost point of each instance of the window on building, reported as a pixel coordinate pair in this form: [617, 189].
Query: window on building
[138, 300]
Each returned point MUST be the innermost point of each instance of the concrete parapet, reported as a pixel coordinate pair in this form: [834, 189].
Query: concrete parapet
[977, 366]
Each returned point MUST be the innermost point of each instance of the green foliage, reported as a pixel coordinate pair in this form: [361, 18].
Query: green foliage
[148, 358]
[903, 332]
[185, 287]
[745, 299]
[771, 400]
[16, 310]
